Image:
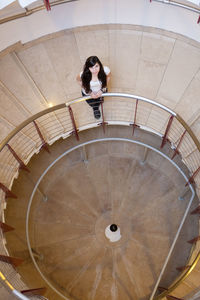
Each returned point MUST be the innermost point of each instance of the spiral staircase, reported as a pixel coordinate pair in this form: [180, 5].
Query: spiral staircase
[115, 174]
[81, 195]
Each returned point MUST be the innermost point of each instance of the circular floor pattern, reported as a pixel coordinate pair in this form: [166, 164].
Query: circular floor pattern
[86, 198]
[87, 191]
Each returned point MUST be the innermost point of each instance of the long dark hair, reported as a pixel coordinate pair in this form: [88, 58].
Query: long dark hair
[87, 75]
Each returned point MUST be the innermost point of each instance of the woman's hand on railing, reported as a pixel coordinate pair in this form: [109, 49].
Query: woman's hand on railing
[96, 95]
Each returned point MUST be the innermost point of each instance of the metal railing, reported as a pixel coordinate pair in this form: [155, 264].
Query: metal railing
[16, 294]
[28, 12]
[108, 140]
[65, 119]
[193, 8]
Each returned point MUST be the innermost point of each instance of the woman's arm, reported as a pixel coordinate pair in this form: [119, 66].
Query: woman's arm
[107, 81]
[78, 79]
[108, 77]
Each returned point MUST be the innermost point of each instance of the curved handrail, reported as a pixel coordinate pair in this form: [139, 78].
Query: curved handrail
[124, 95]
[134, 97]
[28, 121]
[97, 141]
[189, 130]
[11, 288]
[81, 99]
[180, 280]
[3, 278]
[60, 106]
[29, 12]
[178, 4]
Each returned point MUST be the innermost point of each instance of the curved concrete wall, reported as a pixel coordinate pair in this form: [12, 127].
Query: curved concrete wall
[87, 12]
[162, 64]
[144, 61]
[154, 63]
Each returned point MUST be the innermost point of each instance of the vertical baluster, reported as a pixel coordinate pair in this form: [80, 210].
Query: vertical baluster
[180, 141]
[14, 261]
[21, 163]
[44, 143]
[191, 179]
[5, 228]
[164, 139]
[32, 292]
[73, 122]
[103, 119]
[8, 193]
[135, 116]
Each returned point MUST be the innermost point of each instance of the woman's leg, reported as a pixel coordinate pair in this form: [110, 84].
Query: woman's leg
[95, 103]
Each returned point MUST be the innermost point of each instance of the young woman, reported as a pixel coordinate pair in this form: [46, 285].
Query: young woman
[93, 80]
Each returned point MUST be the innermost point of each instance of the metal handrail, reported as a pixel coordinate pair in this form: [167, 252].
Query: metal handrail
[178, 4]
[180, 280]
[11, 288]
[97, 141]
[28, 121]
[134, 97]
[16, 293]
[29, 12]
[81, 99]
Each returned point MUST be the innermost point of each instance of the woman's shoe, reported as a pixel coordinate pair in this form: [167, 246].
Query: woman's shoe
[97, 114]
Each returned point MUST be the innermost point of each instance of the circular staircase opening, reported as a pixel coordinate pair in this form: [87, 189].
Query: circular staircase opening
[112, 233]
[102, 221]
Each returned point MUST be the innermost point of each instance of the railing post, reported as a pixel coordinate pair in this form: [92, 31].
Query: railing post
[37, 255]
[5, 228]
[85, 157]
[164, 139]
[144, 156]
[170, 297]
[193, 241]
[36, 292]
[73, 122]
[184, 193]
[103, 119]
[196, 211]
[183, 268]
[135, 116]
[176, 150]
[21, 163]
[44, 144]
[8, 193]
[14, 261]
[47, 5]
[191, 179]
[161, 288]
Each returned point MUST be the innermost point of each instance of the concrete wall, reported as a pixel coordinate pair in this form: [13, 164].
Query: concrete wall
[87, 12]
[149, 62]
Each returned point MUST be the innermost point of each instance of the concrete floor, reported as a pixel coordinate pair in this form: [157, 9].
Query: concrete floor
[113, 186]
